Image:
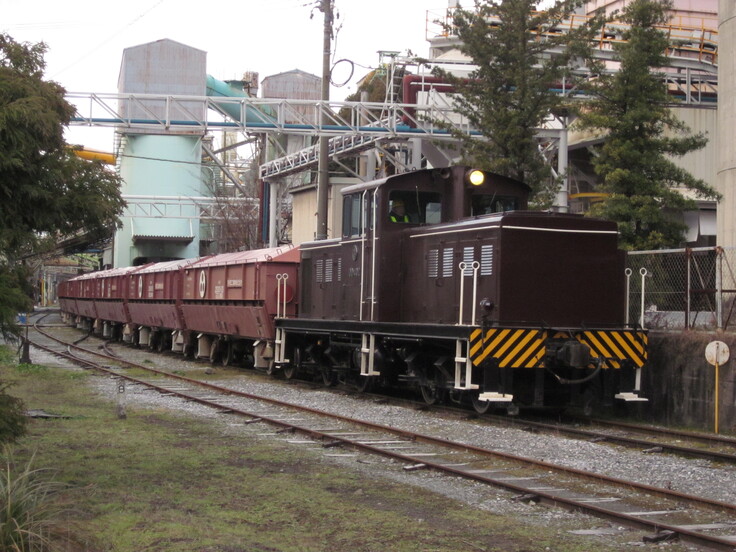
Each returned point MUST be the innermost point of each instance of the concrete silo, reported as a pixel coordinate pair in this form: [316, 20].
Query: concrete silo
[161, 171]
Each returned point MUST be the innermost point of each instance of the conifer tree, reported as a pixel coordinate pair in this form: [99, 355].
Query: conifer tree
[630, 107]
[520, 57]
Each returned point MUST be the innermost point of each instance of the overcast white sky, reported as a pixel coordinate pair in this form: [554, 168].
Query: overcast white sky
[86, 38]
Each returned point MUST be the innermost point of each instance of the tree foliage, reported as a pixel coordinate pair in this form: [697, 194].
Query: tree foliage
[12, 416]
[510, 93]
[634, 161]
[47, 193]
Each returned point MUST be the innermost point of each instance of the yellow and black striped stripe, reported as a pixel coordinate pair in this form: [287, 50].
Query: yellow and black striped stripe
[616, 345]
[526, 347]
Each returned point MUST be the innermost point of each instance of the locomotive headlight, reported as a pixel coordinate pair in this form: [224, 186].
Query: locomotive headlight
[476, 177]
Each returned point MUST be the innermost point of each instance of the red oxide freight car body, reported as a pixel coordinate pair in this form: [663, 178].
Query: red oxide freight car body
[233, 297]
[221, 307]
[154, 301]
[77, 301]
[111, 292]
[67, 299]
[98, 299]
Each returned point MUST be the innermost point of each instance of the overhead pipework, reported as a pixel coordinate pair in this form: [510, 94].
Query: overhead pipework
[241, 111]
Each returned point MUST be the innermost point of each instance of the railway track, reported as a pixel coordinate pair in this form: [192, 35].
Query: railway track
[719, 449]
[697, 520]
[716, 448]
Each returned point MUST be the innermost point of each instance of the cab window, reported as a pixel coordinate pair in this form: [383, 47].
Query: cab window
[414, 207]
[485, 204]
[355, 218]
[351, 216]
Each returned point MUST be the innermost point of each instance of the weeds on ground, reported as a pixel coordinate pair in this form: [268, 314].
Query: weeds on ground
[30, 369]
[7, 356]
[30, 508]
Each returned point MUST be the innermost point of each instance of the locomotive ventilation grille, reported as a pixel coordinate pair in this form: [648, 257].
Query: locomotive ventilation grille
[526, 348]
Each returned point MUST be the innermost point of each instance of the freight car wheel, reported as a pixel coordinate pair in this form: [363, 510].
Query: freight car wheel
[228, 354]
[153, 341]
[189, 351]
[215, 351]
[481, 407]
[163, 343]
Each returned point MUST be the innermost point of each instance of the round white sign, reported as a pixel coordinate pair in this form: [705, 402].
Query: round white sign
[716, 352]
[202, 284]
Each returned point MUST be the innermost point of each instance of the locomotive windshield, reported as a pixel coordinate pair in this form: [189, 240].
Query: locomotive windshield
[485, 204]
[417, 207]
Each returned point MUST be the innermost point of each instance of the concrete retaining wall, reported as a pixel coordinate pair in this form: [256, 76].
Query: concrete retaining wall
[680, 383]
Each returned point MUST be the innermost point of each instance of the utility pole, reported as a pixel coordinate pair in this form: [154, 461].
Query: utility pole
[323, 177]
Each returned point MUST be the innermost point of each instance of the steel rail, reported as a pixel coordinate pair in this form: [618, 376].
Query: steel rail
[522, 423]
[631, 441]
[714, 542]
[704, 437]
[666, 493]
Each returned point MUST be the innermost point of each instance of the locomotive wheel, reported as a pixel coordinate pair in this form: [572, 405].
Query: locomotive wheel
[429, 394]
[481, 407]
[365, 384]
[290, 370]
[591, 400]
[329, 378]
[432, 391]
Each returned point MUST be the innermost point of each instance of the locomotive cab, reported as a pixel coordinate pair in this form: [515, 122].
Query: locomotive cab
[361, 270]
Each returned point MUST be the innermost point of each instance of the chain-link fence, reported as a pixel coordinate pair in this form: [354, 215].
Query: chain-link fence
[682, 288]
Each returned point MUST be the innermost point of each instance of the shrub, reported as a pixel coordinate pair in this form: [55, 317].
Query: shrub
[12, 416]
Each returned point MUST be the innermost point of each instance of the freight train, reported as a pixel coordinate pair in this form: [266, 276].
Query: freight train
[441, 280]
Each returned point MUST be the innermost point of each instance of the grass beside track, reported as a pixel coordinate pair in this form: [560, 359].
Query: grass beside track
[160, 481]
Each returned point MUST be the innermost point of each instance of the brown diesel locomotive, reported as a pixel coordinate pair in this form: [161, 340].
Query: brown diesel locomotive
[467, 295]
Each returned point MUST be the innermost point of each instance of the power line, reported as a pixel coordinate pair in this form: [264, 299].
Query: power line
[109, 38]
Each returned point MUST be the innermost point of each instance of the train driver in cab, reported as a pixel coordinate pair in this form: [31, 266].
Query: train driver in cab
[398, 211]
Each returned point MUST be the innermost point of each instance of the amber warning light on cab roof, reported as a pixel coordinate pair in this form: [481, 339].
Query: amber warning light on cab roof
[475, 177]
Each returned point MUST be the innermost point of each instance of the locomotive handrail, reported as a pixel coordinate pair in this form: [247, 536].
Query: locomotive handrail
[364, 205]
[463, 266]
[628, 272]
[374, 239]
[644, 273]
[281, 293]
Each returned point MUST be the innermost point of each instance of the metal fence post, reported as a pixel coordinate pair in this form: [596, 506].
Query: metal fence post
[719, 287]
[688, 285]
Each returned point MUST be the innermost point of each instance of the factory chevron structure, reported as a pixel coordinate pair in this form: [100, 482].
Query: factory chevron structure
[178, 130]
